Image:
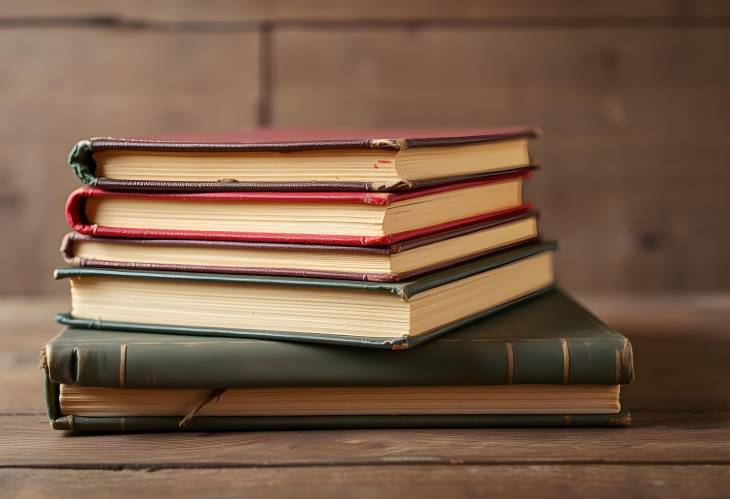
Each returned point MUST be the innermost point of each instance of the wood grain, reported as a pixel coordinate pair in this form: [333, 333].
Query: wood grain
[27, 323]
[624, 112]
[666, 453]
[357, 11]
[705, 314]
[25, 326]
[63, 85]
[681, 348]
[667, 380]
[628, 94]
[684, 482]
[655, 438]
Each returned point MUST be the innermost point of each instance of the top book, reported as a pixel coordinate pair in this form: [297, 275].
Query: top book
[282, 160]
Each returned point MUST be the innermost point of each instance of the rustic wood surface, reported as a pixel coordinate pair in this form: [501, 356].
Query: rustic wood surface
[400, 480]
[678, 446]
[619, 107]
[70, 84]
[291, 11]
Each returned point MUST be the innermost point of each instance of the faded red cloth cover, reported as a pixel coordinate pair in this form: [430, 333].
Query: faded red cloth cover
[77, 219]
[70, 240]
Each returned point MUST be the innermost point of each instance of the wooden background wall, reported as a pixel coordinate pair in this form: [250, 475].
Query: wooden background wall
[633, 98]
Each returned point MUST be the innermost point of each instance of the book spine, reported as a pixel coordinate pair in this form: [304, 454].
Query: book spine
[228, 363]
[76, 211]
[81, 161]
[233, 423]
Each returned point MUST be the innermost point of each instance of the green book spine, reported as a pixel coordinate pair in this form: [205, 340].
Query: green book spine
[81, 161]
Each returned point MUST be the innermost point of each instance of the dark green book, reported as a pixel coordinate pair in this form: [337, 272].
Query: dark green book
[549, 340]
[393, 315]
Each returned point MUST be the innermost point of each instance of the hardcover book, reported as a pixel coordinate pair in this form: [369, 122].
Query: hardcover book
[339, 218]
[548, 362]
[280, 160]
[386, 315]
[393, 262]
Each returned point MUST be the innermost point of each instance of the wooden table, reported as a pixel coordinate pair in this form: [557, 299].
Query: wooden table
[678, 446]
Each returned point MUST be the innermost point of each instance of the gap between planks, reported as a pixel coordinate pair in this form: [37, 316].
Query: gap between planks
[357, 464]
[238, 26]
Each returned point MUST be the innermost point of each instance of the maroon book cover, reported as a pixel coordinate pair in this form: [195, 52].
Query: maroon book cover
[498, 219]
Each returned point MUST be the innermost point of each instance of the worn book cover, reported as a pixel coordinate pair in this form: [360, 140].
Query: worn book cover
[548, 340]
[300, 160]
[388, 263]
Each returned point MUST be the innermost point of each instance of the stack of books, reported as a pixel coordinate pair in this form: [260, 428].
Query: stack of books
[320, 281]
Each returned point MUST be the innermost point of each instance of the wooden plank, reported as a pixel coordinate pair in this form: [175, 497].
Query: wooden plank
[352, 10]
[656, 438]
[27, 324]
[683, 482]
[64, 85]
[678, 372]
[21, 384]
[688, 314]
[681, 347]
[623, 120]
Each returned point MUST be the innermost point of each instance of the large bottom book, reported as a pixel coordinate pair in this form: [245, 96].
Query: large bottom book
[547, 362]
